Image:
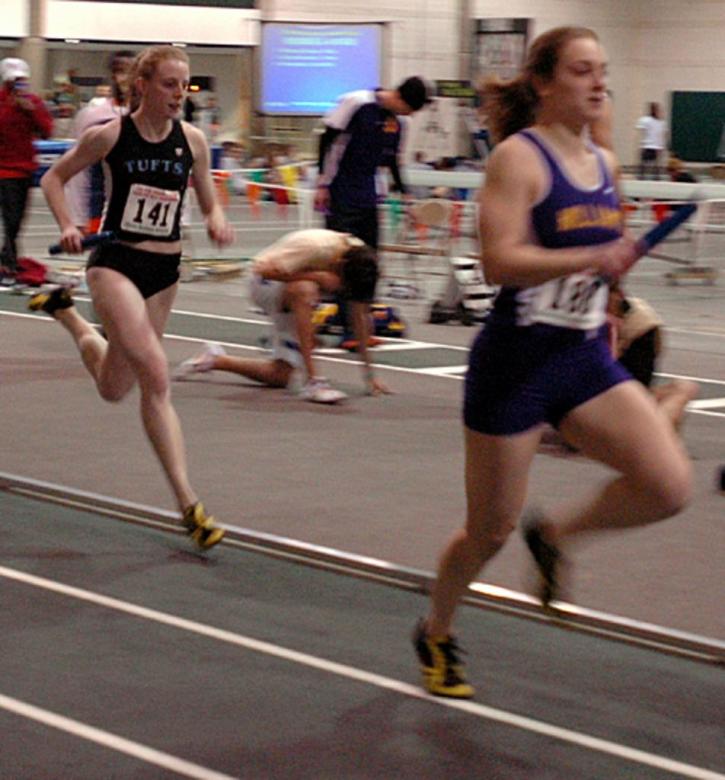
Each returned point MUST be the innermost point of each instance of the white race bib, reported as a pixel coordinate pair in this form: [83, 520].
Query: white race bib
[150, 210]
[577, 301]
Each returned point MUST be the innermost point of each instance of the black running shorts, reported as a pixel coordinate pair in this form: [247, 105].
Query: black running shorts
[151, 272]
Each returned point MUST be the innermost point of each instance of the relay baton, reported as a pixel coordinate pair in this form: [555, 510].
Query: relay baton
[660, 232]
[87, 242]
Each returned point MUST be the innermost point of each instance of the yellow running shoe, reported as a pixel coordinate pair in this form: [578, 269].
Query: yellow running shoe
[50, 302]
[443, 673]
[201, 527]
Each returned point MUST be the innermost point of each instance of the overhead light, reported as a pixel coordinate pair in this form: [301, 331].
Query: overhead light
[72, 40]
[180, 45]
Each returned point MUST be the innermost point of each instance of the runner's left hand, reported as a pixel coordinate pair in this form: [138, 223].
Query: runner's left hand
[219, 230]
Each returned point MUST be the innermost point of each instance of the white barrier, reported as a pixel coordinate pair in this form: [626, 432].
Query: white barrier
[631, 188]
[647, 203]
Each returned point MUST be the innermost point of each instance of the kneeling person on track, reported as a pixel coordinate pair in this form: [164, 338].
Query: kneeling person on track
[636, 338]
[287, 280]
[149, 155]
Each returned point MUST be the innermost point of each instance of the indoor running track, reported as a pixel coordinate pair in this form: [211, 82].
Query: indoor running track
[126, 655]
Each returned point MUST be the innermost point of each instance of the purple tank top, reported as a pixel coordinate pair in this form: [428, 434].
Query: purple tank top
[567, 216]
[570, 215]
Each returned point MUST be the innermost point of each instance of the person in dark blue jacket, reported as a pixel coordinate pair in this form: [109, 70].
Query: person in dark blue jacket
[363, 133]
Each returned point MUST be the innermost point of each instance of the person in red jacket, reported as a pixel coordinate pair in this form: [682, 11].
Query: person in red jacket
[23, 116]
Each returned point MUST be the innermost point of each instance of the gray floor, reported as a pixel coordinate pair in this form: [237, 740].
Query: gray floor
[377, 477]
[260, 668]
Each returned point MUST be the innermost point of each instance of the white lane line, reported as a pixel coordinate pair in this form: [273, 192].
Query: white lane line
[706, 403]
[359, 675]
[109, 740]
[707, 414]
[24, 315]
[692, 378]
[235, 345]
[395, 342]
[321, 354]
[454, 371]
[198, 315]
[397, 345]
[691, 332]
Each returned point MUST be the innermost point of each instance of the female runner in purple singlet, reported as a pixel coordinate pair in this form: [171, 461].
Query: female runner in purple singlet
[552, 236]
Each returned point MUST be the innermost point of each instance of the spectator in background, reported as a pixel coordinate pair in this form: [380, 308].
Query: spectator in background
[636, 339]
[482, 140]
[71, 89]
[85, 192]
[102, 93]
[210, 118]
[23, 117]
[64, 106]
[232, 160]
[652, 141]
[189, 110]
[678, 173]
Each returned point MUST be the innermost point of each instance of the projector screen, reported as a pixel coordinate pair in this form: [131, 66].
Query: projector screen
[306, 67]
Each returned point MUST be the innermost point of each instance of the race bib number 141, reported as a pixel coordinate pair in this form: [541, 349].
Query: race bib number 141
[150, 210]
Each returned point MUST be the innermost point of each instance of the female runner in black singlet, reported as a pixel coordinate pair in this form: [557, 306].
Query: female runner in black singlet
[148, 156]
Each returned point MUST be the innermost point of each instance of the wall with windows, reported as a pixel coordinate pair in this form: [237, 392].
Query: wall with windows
[655, 46]
[144, 22]
[679, 46]
[230, 69]
[422, 36]
[15, 19]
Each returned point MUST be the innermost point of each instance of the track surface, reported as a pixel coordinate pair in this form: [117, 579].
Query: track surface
[375, 477]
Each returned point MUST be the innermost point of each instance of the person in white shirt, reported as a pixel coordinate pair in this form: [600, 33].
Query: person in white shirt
[652, 141]
[287, 280]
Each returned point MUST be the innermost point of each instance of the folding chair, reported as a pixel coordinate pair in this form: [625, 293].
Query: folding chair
[428, 235]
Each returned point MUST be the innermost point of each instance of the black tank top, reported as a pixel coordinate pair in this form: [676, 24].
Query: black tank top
[147, 184]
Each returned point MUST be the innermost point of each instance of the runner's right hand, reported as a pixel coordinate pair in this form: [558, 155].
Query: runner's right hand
[70, 240]
[615, 258]
[322, 199]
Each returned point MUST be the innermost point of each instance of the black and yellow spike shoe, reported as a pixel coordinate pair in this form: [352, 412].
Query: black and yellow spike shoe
[546, 555]
[201, 527]
[442, 669]
[52, 301]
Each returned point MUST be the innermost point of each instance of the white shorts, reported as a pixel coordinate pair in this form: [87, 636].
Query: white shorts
[267, 294]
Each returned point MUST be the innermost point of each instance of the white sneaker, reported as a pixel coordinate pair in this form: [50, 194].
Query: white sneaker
[200, 363]
[319, 391]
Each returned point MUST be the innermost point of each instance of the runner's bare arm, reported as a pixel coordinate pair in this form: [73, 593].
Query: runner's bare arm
[93, 146]
[361, 327]
[218, 228]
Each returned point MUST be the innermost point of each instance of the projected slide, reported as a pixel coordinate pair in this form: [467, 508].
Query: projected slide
[306, 67]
